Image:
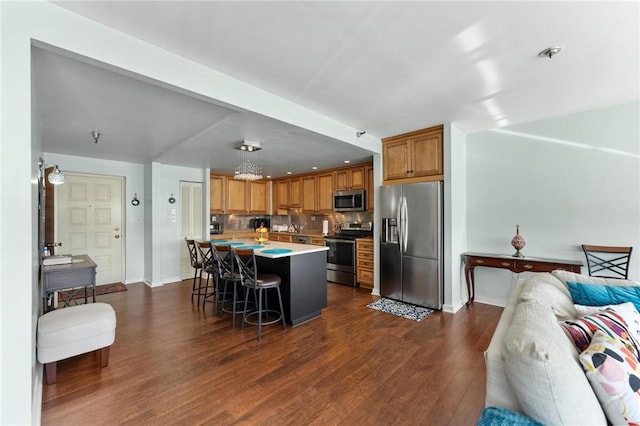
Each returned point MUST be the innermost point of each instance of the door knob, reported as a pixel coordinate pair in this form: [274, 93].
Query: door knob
[117, 236]
[54, 244]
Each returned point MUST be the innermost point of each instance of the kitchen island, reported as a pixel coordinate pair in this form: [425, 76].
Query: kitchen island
[303, 270]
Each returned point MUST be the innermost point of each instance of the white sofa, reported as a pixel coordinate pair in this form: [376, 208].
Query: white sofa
[532, 365]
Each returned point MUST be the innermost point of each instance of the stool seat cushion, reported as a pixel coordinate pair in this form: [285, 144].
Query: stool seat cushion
[268, 280]
[75, 330]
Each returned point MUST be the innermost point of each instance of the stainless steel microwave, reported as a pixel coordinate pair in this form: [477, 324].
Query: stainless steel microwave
[349, 201]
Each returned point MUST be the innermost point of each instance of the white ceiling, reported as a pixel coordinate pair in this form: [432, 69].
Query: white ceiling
[383, 67]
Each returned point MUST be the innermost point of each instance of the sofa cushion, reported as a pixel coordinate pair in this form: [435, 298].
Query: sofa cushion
[599, 294]
[499, 391]
[543, 368]
[495, 416]
[566, 276]
[613, 321]
[547, 290]
[614, 374]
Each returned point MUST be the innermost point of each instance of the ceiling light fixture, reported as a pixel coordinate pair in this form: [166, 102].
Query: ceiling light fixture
[56, 177]
[247, 169]
[550, 52]
[96, 136]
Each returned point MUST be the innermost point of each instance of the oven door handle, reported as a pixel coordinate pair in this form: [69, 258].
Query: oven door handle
[329, 240]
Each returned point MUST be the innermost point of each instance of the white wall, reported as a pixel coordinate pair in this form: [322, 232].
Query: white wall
[166, 239]
[566, 181]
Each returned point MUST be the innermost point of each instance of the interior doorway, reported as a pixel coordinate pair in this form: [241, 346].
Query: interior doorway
[89, 220]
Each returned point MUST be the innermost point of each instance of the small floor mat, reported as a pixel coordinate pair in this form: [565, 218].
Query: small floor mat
[400, 309]
[78, 292]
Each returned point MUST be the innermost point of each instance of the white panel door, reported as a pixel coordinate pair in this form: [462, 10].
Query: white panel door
[191, 226]
[89, 221]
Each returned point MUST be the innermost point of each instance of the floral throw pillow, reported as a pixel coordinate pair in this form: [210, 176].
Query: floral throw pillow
[611, 321]
[614, 375]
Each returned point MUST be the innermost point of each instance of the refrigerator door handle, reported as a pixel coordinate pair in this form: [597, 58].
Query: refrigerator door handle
[399, 224]
[405, 223]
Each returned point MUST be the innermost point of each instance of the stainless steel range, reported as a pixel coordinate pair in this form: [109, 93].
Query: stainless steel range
[341, 257]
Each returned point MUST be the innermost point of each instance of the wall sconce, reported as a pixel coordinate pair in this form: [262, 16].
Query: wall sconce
[135, 201]
[56, 177]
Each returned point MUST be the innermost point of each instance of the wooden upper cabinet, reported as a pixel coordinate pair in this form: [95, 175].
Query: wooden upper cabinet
[309, 194]
[427, 155]
[414, 156]
[233, 196]
[325, 192]
[237, 196]
[346, 179]
[369, 188]
[217, 194]
[288, 193]
[258, 197]
[295, 192]
[282, 190]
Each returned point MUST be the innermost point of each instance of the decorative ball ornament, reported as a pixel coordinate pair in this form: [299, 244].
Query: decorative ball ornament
[518, 243]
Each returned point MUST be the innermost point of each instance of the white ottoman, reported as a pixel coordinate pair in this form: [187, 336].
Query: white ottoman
[75, 330]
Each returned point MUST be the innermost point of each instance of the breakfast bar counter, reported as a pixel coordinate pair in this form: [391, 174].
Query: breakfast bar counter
[303, 270]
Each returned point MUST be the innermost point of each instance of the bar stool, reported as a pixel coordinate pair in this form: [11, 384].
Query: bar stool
[197, 266]
[230, 275]
[259, 283]
[206, 254]
[218, 295]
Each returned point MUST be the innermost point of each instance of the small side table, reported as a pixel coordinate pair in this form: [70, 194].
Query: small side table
[514, 264]
[80, 273]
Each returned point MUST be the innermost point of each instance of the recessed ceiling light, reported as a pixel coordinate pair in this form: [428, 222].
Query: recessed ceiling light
[289, 173]
[268, 177]
[346, 161]
[314, 168]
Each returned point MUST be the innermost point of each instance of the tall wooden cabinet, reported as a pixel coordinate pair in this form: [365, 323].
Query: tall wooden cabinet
[412, 157]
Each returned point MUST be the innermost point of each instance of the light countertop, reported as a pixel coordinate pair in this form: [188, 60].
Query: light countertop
[296, 249]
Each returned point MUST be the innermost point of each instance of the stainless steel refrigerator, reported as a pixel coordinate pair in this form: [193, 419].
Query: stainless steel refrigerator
[411, 243]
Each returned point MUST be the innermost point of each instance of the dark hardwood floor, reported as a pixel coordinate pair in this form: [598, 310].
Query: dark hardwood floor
[175, 363]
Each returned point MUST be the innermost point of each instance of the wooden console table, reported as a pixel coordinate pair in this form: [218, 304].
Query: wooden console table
[514, 264]
[80, 273]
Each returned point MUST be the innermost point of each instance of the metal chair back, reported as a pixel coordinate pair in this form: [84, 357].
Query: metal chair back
[607, 261]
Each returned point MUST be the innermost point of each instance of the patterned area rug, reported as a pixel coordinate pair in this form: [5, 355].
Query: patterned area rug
[400, 309]
[101, 289]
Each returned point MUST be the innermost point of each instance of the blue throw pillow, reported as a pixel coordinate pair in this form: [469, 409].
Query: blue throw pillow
[600, 295]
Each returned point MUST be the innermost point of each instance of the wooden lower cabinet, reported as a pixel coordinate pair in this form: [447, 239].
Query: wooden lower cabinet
[280, 238]
[364, 262]
[317, 241]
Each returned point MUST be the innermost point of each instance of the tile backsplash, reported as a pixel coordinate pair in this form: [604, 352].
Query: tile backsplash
[305, 222]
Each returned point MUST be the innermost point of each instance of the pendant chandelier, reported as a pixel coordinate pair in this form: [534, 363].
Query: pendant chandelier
[247, 169]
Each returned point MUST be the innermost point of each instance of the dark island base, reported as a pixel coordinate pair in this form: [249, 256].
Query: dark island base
[304, 284]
